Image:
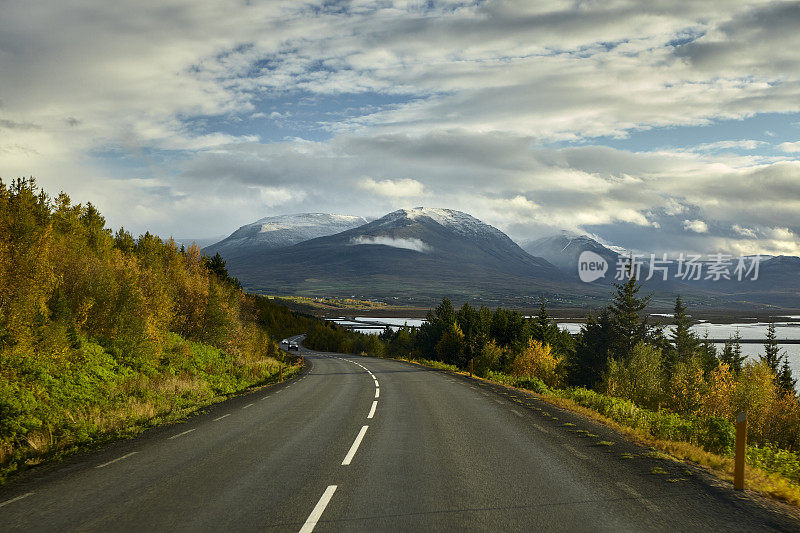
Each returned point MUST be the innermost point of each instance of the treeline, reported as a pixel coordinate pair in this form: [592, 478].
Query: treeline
[617, 353]
[328, 337]
[100, 331]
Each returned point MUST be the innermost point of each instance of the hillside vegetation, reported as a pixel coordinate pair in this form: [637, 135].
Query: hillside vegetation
[102, 334]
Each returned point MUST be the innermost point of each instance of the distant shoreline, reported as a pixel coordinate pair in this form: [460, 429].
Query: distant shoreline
[571, 315]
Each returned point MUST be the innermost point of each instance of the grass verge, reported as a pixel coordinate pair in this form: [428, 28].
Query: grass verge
[80, 408]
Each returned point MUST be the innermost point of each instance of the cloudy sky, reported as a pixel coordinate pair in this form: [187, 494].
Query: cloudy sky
[658, 126]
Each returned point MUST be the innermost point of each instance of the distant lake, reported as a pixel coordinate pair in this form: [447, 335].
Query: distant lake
[752, 330]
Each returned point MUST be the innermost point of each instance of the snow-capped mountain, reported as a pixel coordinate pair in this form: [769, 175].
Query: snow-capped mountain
[563, 250]
[421, 251]
[283, 230]
[422, 254]
[457, 221]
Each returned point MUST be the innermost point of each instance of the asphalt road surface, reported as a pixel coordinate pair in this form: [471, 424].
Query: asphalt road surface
[363, 444]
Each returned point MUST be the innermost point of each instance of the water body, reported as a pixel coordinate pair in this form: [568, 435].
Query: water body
[751, 330]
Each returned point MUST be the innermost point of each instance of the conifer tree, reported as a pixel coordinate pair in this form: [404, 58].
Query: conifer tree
[785, 380]
[592, 350]
[628, 327]
[707, 354]
[771, 356]
[684, 342]
[543, 328]
[732, 353]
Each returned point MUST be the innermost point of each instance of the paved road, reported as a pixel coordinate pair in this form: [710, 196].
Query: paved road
[362, 444]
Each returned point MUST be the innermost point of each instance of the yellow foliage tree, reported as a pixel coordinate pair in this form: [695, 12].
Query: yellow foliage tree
[718, 400]
[537, 360]
[756, 393]
[687, 387]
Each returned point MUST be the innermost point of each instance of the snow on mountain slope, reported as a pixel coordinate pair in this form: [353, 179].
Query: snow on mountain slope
[457, 221]
[283, 230]
[420, 251]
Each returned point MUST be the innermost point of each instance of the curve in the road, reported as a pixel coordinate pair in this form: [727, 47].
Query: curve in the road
[407, 448]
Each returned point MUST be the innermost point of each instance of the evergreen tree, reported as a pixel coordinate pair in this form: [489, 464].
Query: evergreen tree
[508, 328]
[542, 319]
[656, 338]
[124, 241]
[738, 357]
[445, 312]
[541, 325]
[628, 328]
[684, 342]
[726, 356]
[707, 355]
[592, 351]
[218, 266]
[785, 380]
[732, 353]
[428, 335]
[772, 356]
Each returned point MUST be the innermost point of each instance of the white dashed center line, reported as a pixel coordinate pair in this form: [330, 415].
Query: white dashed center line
[180, 434]
[115, 460]
[644, 501]
[316, 514]
[576, 453]
[220, 417]
[248, 405]
[540, 428]
[372, 410]
[18, 498]
[354, 448]
[377, 393]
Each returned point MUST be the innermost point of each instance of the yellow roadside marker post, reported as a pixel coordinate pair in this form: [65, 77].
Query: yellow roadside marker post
[741, 442]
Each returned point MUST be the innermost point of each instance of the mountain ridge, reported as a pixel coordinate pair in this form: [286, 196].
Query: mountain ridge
[282, 230]
[427, 251]
[424, 253]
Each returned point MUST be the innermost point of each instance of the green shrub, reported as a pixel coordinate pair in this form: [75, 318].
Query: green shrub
[773, 459]
[713, 434]
[717, 435]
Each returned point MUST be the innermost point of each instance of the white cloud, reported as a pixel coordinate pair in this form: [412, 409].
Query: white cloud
[136, 113]
[747, 144]
[402, 188]
[395, 242]
[673, 207]
[272, 196]
[697, 226]
[744, 232]
[790, 147]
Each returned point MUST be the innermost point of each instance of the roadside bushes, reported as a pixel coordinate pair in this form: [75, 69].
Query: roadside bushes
[488, 358]
[638, 378]
[713, 434]
[536, 360]
[773, 459]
